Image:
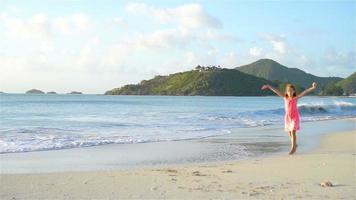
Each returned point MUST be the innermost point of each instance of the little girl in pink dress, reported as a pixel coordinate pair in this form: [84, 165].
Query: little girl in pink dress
[291, 117]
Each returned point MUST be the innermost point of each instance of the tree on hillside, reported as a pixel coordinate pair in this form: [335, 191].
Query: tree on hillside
[332, 89]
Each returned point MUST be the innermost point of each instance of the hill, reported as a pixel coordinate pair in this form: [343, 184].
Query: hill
[343, 87]
[272, 70]
[348, 84]
[211, 82]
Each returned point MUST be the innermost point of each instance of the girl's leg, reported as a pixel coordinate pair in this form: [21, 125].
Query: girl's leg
[294, 143]
[291, 141]
[291, 138]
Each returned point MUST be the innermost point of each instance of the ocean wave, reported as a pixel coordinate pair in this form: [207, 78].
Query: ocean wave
[337, 107]
[42, 139]
[55, 142]
[308, 112]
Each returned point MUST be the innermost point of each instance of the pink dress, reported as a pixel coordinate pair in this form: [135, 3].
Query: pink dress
[291, 118]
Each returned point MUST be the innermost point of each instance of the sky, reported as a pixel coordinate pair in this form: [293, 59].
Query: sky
[94, 46]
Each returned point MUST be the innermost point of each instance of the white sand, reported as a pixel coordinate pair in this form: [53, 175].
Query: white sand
[284, 177]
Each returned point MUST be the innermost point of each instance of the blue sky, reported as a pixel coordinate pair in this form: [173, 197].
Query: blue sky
[94, 46]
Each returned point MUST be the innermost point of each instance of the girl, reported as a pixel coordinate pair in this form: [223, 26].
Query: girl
[291, 118]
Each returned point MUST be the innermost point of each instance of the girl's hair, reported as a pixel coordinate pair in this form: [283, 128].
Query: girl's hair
[291, 86]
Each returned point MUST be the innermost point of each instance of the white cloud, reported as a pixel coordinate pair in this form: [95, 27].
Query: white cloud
[188, 15]
[38, 26]
[116, 56]
[41, 27]
[74, 24]
[213, 34]
[279, 43]
[165, 38]
[256, 51]
[339, 62]
[279, 46]
[338, 58]
[230, 59]
[121, 22]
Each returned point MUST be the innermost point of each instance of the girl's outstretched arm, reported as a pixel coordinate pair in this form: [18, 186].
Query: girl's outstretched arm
[308, 90]
[273, 90]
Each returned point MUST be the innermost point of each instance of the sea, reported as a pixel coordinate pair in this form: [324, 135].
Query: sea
[43, 122]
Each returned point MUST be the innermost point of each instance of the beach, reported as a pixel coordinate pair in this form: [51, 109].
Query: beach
[157, 147]
[177, 99]
[266, 177]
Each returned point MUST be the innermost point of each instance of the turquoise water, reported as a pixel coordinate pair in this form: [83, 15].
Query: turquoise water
[48, 122]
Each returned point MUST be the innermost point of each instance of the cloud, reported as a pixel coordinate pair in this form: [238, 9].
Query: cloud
[166, 38]
[279, 46]
[74, 24]
[340, 62]
[231, 59]
[37, 26]
[116, 56]
[214, 35]
[256, 51]
[333, 57]
[41, 27]
[279, 42]
[121, 22]
[188, 15]
[276, 47]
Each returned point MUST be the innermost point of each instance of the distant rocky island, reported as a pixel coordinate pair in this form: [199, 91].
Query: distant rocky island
[34, 91]
[75, 92]
[240, 81]
[37, 91]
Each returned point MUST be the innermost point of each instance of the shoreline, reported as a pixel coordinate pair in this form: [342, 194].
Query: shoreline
[222, 149]
[266, 177]
[177, 140]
